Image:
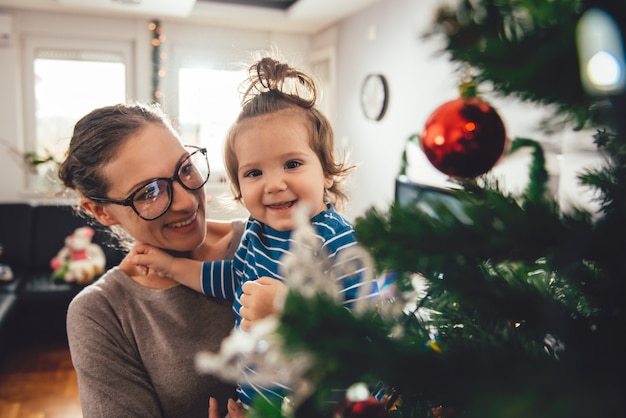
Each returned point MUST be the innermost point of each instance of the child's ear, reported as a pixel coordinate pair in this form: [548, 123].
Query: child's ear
[99, 211]
[328, 182]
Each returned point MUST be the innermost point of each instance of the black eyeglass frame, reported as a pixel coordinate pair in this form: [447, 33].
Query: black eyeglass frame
[129, 201]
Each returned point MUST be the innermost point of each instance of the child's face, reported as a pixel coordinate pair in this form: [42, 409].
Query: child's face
[278, 170]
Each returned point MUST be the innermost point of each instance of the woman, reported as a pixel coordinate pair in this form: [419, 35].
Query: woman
[132, 336]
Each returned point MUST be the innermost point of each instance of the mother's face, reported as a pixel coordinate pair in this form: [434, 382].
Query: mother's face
[153, 152]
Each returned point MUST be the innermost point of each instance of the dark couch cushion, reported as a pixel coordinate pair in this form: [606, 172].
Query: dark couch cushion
[16, 233]
[32, 235]
[34, 305]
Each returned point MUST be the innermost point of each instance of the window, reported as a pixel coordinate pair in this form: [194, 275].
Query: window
[69, 78]
[68, 86]
[208, 103]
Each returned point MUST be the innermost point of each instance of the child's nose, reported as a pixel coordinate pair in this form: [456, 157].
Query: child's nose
[274, 182]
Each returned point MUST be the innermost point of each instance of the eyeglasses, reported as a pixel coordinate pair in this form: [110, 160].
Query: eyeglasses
[154, 198]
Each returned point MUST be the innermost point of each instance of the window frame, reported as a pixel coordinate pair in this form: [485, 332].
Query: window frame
[33, 43]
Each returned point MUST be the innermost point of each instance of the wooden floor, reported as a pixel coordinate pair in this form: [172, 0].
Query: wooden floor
[38, 381]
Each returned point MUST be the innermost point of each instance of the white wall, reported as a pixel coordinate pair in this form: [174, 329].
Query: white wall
[387, 38]
[11, 181]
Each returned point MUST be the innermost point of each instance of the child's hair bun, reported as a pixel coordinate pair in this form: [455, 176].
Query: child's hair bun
[270, 77]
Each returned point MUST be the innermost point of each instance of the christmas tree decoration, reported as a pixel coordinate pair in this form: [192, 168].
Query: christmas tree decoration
[601, 53]
[464, 138]
[360, 403]
[368, 408]
[523, 49]
[443, 412]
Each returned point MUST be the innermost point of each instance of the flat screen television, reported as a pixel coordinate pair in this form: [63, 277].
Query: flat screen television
[408, 192]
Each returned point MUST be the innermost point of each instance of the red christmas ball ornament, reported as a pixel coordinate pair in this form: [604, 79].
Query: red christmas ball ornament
[367, 408]
[464, 137]
[444, 412]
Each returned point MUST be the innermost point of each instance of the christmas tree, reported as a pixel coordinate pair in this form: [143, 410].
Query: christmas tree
[494, 304]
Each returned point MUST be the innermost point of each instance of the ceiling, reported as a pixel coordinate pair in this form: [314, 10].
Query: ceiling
[293, 16]
[272, 4]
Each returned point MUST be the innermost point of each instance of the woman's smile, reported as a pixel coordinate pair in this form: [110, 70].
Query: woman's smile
[184, 223]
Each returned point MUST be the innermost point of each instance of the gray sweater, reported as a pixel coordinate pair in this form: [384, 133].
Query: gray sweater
[133, 348]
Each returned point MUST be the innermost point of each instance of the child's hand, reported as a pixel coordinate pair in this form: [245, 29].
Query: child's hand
[146, 257]
[259, 299]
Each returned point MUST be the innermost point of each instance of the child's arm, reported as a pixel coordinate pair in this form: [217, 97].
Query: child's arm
[185, 271]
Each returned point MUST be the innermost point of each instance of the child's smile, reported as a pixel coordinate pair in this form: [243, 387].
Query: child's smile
[277, 169]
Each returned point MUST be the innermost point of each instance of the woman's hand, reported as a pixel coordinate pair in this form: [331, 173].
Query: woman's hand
[235, 409]
[259, 299]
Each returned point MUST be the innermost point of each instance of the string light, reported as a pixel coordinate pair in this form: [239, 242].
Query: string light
[157, 72]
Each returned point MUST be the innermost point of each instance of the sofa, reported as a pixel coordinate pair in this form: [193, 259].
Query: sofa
[33, 304]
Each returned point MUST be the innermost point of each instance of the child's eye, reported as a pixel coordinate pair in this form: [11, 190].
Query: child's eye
[293, 164]
[252, 173]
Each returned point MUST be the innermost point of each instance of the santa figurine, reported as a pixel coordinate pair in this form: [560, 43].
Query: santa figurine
[80, 260]
[6, 273]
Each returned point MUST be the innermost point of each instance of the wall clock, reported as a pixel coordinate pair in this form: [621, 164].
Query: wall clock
[374, 96]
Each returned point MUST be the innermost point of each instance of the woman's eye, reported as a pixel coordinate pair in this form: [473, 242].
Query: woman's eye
[149, 192]
[293, 164]
[253, 173]
[186, 170]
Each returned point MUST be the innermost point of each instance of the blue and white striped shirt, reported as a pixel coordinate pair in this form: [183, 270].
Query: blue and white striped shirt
[260, 254]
